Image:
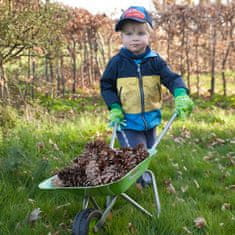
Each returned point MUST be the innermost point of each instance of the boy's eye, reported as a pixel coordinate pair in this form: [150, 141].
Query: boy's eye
[141, 33]
[128, 33]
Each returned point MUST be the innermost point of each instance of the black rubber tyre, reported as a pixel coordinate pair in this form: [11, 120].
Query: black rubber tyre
[84, 221]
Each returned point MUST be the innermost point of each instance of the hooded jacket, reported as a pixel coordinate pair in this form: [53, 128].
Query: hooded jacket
[135, 82]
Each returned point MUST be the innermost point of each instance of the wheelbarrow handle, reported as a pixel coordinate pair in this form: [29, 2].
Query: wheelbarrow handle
[159, 138]
[164, 131]
[114, 133]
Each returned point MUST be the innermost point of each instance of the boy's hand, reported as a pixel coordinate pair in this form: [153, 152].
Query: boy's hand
[116, 114]
[183, 106]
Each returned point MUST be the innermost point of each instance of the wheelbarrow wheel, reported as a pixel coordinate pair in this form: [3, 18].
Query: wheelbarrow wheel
[85, 221]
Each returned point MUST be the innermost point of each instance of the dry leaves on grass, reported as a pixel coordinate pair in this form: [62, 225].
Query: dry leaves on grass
[214, 140]
[185, 134]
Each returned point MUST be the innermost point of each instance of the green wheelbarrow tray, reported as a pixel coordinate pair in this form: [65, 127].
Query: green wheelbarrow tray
[111, 189]
[119, 186]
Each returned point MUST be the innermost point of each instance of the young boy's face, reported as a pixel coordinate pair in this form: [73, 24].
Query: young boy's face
[135, 37]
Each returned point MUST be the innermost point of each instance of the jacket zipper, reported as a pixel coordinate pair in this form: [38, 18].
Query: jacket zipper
[141, 95]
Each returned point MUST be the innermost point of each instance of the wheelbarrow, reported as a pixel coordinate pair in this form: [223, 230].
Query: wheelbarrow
[92, 219]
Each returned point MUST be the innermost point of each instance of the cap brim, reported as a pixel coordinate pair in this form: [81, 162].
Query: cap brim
[119, 25]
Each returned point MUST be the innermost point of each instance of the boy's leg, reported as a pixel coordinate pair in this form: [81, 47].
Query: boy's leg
[134, 138]
[147, 138]
[151, 137]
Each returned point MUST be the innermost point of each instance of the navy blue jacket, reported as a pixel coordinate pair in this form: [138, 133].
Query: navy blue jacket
[135, 84]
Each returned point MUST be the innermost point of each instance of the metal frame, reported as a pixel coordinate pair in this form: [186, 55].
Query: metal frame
[110, 202]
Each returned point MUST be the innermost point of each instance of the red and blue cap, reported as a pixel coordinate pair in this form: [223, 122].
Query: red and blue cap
[138, 14]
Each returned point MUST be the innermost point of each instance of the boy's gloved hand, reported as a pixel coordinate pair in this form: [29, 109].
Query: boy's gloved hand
[116, 114]
[183, 103]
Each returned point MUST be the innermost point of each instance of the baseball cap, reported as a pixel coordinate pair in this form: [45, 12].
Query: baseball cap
[136, 13]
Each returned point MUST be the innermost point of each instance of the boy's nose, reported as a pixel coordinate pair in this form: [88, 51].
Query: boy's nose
[135, 38]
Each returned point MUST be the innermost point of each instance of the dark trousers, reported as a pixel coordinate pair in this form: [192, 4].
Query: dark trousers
[147, 138]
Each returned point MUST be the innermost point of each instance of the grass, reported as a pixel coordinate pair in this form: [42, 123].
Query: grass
[196, 157]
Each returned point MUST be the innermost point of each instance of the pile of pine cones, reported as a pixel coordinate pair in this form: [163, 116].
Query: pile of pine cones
[99, 164]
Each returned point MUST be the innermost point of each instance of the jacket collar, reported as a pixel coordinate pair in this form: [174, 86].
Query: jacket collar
[148, 53]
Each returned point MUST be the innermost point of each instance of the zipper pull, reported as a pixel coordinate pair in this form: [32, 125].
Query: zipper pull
[138, 68]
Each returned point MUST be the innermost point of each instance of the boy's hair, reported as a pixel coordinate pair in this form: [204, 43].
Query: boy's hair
[147, 26]
[134, 13]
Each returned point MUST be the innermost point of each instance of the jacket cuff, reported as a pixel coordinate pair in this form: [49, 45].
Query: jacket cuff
[115, 106]
[180, 92]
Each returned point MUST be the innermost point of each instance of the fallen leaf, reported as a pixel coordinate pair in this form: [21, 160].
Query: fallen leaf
[208, 158]
[180, 199]
[176, 165]
[185, 168]
[56, 147]
[232, 160]
[196, 183]
[34, 215]
[184, 188]
[40, 145]
[226, 206]
[171, 189]
[179, 140]
[169, 186]
[131, 228]
[187, 230]
[62, 206]
[200, 222]
[31, 200]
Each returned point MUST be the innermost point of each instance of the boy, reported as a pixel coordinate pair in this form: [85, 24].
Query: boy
[131, 84]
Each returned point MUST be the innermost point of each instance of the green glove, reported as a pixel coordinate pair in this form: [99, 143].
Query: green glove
[183, 103]
[116, 114]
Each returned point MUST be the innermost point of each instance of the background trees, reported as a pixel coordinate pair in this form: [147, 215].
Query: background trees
[50, 49]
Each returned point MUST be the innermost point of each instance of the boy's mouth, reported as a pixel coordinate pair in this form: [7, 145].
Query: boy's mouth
[134, 45]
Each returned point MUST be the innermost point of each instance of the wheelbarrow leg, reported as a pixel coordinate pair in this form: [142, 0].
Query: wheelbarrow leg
[106, 212]
[95, 204]
[137, 205]
[85, 202]
[155, 191]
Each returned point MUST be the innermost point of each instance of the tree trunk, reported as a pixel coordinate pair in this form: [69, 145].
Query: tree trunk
[51, 67]
[33, 77]
[197, 66]
[58, 77]
[62, 74]
[182, 70]
[74, 67]
[213, 53]
[28, 88]
[3, 83]
[46, 68]
[223, 68]
[187, 48]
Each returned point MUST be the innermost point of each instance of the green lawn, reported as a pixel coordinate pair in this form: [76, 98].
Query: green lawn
[196, 157]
